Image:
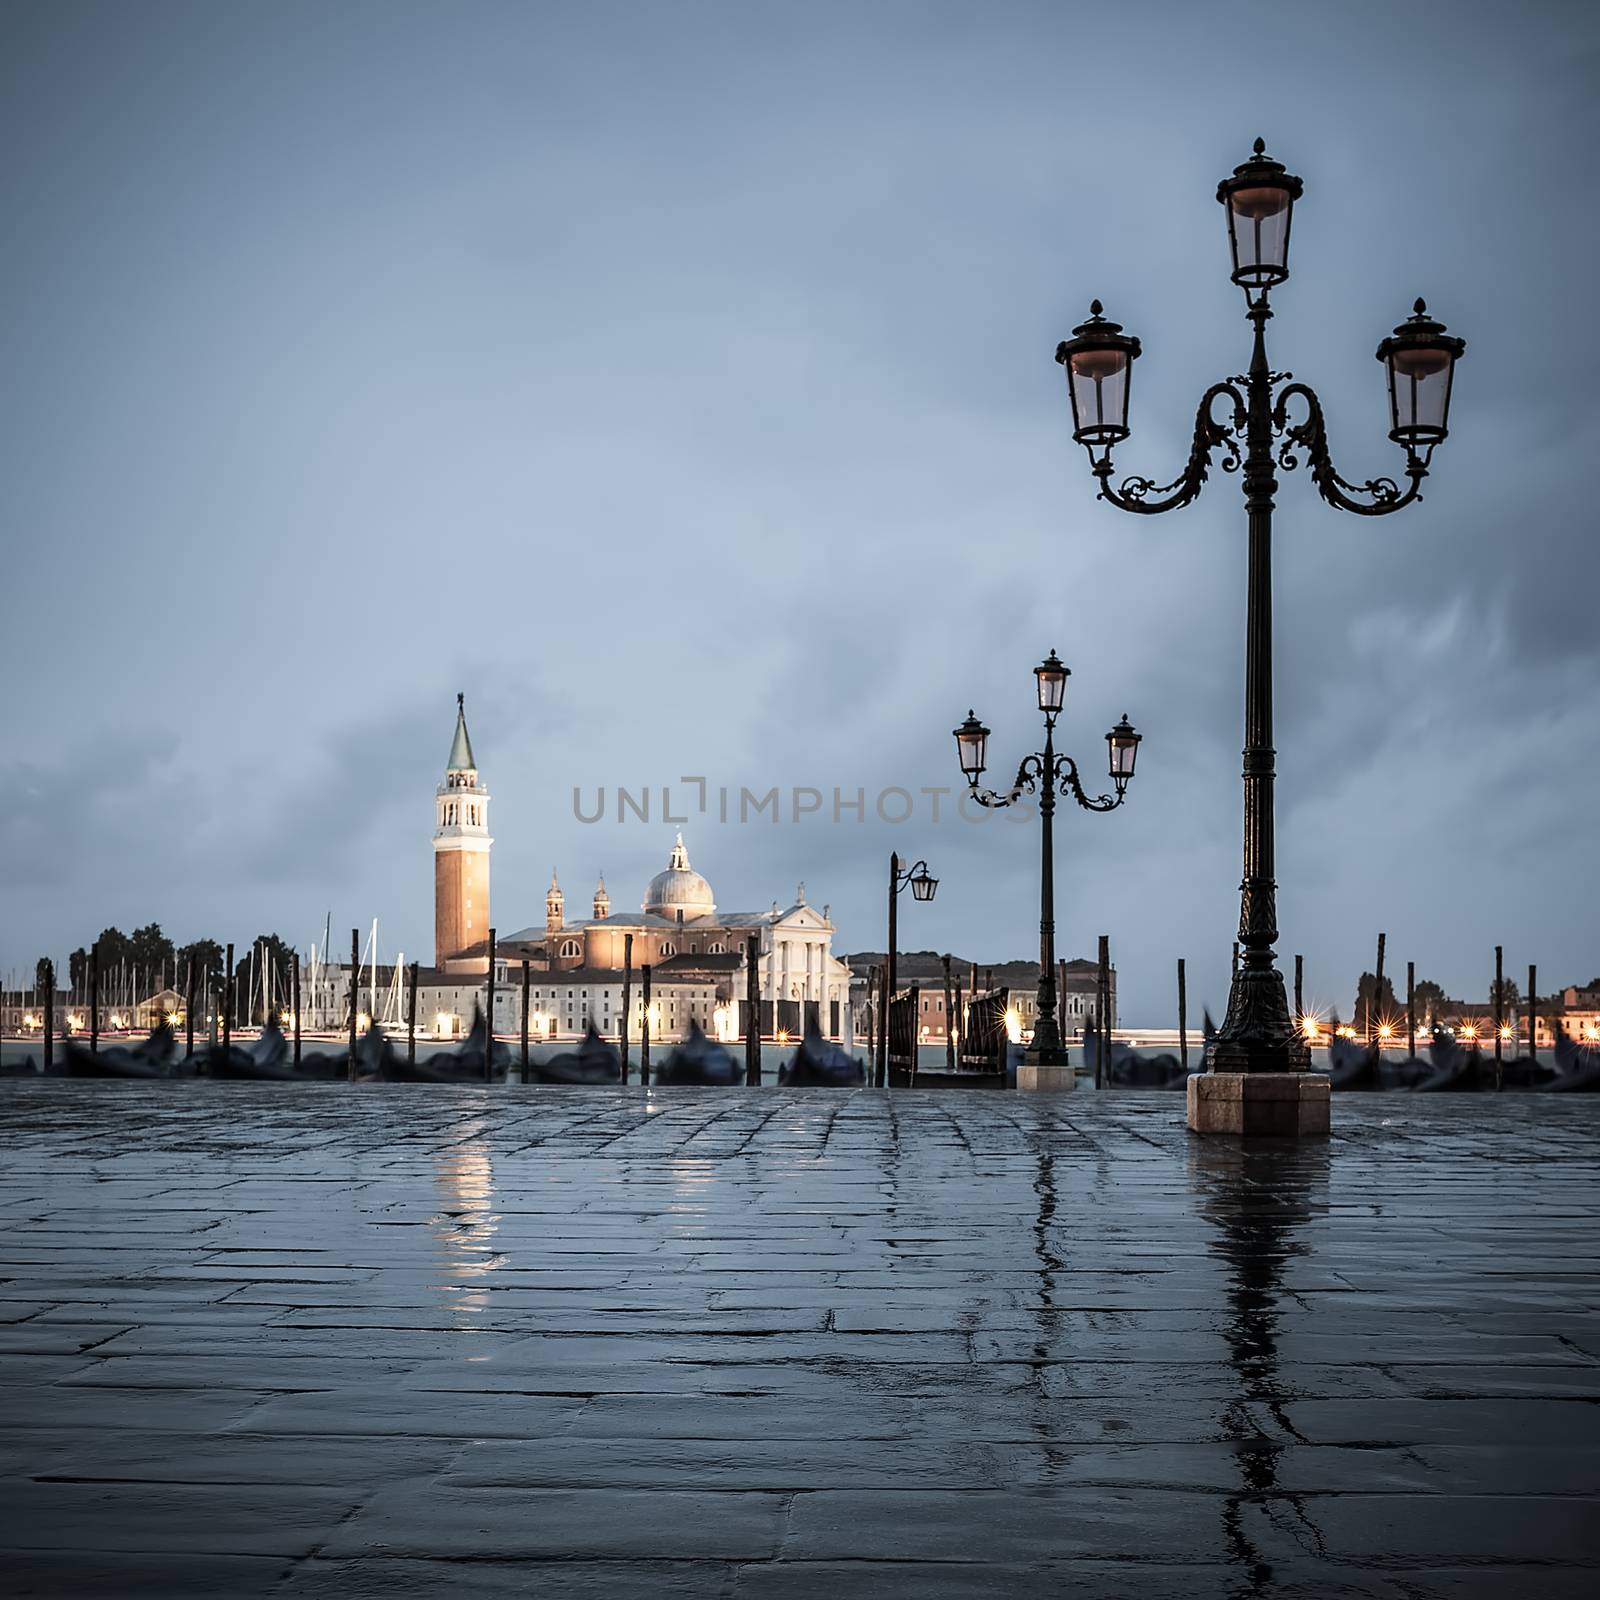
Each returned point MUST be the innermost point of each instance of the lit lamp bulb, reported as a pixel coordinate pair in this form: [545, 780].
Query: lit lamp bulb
[1256, 205]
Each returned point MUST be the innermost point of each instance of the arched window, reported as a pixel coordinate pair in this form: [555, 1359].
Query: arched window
[714, 949]
[569, 947]
[667, 948]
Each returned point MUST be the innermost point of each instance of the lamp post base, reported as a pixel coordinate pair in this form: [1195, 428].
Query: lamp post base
[1035, 1072]
[1290, 1105]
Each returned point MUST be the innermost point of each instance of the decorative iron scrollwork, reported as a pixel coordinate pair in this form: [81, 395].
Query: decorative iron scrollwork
[1031, 775]
[1382, 495]
[1146, 495]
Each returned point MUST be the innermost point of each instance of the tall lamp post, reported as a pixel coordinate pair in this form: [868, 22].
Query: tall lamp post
[1048, 772]
[1257, 430]
[923, 887]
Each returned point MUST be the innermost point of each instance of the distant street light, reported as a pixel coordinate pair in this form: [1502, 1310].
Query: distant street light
[1419, 361]
[1047, 771]
[923, 887]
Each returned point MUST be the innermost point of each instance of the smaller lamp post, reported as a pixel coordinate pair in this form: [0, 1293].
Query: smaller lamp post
[1049, 772]
[923, 887]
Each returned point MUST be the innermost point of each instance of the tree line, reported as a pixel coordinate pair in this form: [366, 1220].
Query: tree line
[1431, 1000]
[146, 961]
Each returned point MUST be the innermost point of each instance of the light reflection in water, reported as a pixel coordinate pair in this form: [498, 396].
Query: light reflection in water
[464, 1228]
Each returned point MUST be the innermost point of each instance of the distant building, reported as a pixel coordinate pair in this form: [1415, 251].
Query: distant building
[461, 845]
[699, 957]
[1075, 1001]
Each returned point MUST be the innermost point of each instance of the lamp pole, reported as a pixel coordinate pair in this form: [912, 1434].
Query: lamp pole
[923, 887]
[1047, 772]
[1255, 432]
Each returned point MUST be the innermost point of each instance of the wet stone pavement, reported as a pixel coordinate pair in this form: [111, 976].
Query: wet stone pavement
[313, 1341]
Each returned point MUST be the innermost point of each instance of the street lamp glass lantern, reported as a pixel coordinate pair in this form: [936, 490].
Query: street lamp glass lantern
[972, 743]
[1259, 199]
[1052, 676]
[1123, 745]
[1098, 360]
[1420, 359]
[923, 886]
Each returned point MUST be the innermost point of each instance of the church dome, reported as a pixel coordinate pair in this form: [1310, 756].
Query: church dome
[679, 889]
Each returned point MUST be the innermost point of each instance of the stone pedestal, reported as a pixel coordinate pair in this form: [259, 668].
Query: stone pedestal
[1035, 1075]
[1289, 1104]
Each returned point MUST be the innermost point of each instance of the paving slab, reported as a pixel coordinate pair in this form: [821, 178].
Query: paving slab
[314, 1340]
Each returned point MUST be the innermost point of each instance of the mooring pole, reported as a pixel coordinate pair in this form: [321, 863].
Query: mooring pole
[525, 981]
[1533, 1013]
[949, 1020]
[488, 1043]
[1411, 1008]
[752, 1012]
[627, 997]
[1375, 1010]
[1183, 1017]
[644, 1028]
[94, 998]
[1102, 1066]
[227, 1005]
[411, 1016]
[294, 979]
[188, 1009]
[1300, 993]
[49, 973]
[1499, 1010]
[355, 969]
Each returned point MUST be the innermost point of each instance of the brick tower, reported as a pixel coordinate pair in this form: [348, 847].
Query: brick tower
[461, 860]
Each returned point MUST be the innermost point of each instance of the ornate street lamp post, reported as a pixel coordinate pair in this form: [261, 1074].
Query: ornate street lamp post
[923, 887]
[1048, 772]
[1256, 430]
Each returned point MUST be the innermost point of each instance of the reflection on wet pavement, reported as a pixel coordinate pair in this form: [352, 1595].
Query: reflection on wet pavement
[266, 1340]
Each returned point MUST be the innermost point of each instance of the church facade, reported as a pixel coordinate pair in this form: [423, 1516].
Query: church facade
[698, 955]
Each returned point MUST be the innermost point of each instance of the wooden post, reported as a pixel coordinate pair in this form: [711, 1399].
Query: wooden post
[294, 980]
[188, 1009]
[949, 1020]
[1300, 992]
[644, 1026]
[1533, 1013]
[226, 1004]
[488, 1040]
[1061, 999]
[94, 998]
[411, 1016]
[1499, 1009]
[1411, 1008]
[1102, 1065]
[1183, 1017]
[49, 1015]
[752, 1012]
[627, 997]
[355, 967]
[1377, 994]
[525, 981]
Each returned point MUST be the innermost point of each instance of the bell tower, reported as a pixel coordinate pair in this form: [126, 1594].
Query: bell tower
[461, 859]
[555, 918]
[602, 901]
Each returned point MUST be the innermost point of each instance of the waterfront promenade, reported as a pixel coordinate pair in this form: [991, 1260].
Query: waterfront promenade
[317, 1341]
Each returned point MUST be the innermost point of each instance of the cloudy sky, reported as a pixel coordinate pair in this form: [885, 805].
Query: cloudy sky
[677, 381]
